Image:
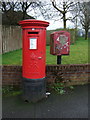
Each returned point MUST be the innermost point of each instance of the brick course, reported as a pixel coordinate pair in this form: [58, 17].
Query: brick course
[70, 74]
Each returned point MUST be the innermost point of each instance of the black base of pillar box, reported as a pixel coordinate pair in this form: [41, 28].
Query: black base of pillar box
[34, 89]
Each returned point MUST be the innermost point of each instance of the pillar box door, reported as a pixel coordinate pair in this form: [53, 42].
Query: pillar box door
[34, 53]
[34, 56]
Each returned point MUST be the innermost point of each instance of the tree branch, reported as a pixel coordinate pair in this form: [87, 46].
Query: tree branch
[54, 5]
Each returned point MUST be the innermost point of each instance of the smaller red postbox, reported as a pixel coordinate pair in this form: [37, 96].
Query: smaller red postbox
[60, 43]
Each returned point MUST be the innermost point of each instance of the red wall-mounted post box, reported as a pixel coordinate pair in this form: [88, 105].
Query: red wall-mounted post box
[34, 56]
[60, 43]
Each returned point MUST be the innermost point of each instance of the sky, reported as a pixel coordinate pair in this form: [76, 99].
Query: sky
[53, 24]
[56, 24]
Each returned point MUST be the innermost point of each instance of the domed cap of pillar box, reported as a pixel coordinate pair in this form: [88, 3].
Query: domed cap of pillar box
[33, 23]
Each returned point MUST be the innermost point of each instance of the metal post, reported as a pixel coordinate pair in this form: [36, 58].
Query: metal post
[59, 59]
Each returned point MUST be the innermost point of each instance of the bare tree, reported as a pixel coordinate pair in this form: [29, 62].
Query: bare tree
[6, 6]
[85, 17]
[26, 4]
[64, 7]
[58, 9]
[12, 6]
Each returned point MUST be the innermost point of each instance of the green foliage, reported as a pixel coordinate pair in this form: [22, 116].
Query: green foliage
[58, 87]
[71, 87]
[10, 91]
[6, 89]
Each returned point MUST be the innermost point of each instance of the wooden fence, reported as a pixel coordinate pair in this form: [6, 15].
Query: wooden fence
[11, 38]
[0, 39]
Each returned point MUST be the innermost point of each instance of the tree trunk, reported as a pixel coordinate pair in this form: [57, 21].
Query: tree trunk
[64, 24]
[64, 21]
[86, 34]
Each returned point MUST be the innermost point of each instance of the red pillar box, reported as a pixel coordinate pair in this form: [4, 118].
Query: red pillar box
[60, 43]
[34, 56]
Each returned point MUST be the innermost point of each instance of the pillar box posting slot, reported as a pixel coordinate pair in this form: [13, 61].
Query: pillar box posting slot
[34, 56]
[60, 44]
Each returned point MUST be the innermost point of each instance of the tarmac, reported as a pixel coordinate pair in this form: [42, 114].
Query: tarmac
[73, 104]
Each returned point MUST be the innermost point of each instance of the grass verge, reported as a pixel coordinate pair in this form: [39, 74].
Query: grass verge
[78, 55]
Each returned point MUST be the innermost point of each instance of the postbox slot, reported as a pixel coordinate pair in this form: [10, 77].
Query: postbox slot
[61, 33]
[32, 32]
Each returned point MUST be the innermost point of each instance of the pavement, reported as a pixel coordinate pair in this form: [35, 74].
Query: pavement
[73, 104]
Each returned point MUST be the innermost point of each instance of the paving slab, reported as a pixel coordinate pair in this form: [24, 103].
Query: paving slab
[73, 104]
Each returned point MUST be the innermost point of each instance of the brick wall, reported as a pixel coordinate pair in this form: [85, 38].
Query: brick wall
[71, 74]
